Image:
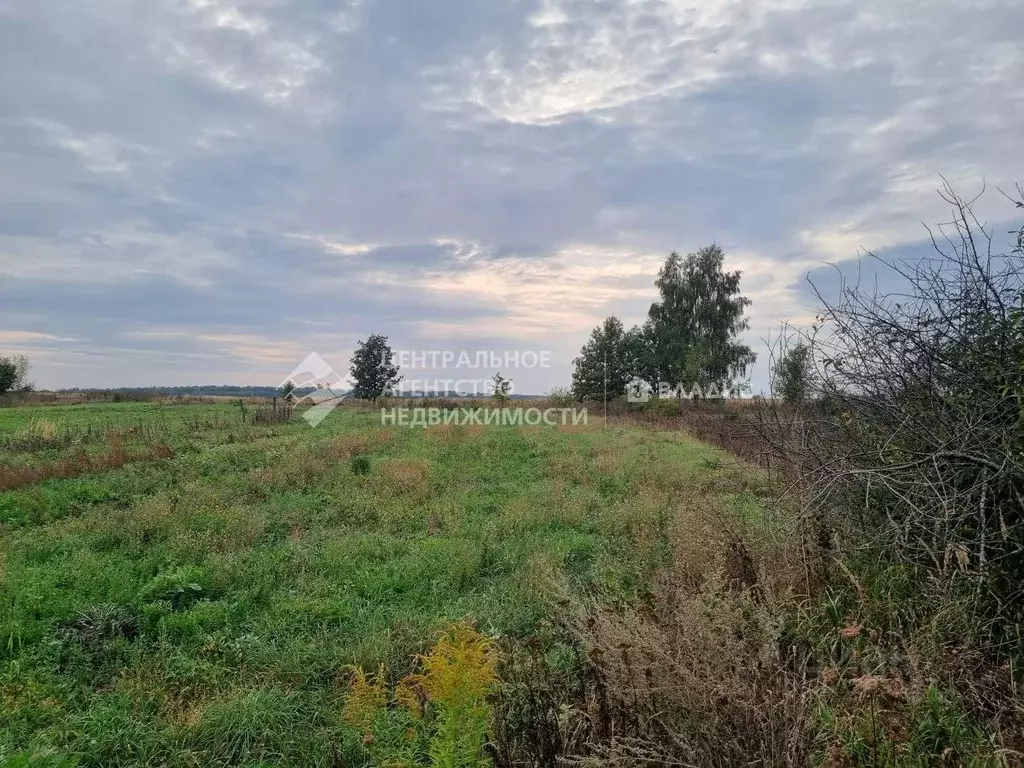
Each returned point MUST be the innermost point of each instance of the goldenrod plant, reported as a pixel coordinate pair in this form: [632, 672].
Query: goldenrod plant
[437, 716]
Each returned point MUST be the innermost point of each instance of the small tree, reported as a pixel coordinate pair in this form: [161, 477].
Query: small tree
[8, 375]
[793, 374]
[502, 388]
[605, 363]
[373, 369]
[14, 374]
[288, 391]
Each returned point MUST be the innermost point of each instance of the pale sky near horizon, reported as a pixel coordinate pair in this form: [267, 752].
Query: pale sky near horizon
[204, 191]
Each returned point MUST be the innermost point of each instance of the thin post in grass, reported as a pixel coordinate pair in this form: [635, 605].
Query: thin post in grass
[606, 389]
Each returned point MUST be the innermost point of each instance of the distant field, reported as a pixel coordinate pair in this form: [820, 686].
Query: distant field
[208, 607]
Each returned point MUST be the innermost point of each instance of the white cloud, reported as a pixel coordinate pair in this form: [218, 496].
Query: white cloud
[28, 337]
[335, 244]
[564, 291]
[586, 58]
[237, 49]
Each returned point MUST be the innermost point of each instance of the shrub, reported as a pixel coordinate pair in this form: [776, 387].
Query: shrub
[441, 714]
[662, 407]
[561, 397]
[793, 374]
[101, 625]
[920, 431]
[360, 464]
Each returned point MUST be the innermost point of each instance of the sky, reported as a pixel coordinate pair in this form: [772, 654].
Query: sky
[205, 191]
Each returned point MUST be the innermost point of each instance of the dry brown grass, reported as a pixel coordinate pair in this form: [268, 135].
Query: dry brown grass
[290, 472]
[304, 466]
[445, 433]
[696, 678]
[452, 434]
[570, 467]
[693, 676]
[82, 464]
[404, 476]
[347, 446]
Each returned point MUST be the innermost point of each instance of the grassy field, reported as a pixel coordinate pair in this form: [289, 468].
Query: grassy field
[258, 595]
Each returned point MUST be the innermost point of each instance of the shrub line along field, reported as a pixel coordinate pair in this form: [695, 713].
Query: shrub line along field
[256, 594]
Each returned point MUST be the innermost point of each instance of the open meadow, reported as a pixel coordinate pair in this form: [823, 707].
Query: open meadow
[214, 594]
[181, 587]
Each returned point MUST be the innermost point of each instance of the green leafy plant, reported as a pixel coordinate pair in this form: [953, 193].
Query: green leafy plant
[180, 586]
[360, 465]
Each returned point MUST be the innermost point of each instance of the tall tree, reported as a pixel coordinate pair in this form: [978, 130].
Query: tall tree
[373, 368]
[608, 353]
[694, 327]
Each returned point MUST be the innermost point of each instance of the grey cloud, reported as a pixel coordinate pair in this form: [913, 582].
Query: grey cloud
[162, 161]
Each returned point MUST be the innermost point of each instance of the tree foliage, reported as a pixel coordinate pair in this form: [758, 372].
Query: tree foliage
[373, 369]
[690, 336]
[606, 363]
[793, 374]
[14, 374]
[502, 388]
[693, 329]
[288, 391]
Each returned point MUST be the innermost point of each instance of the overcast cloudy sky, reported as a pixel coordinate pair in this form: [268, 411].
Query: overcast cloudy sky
[204, 191]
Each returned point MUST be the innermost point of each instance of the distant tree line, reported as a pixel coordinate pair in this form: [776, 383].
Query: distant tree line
[213, 390]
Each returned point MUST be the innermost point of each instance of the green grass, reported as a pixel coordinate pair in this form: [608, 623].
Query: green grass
[202, 610]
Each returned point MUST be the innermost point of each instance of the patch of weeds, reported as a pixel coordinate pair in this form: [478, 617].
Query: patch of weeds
[580, 557]
[611, 488]
[360, 464]
[100, 626]
[180, 587]
[255, 727]
[881, 724]
[710, 462]
[24, 508]
[439, 715]
[37, 759]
